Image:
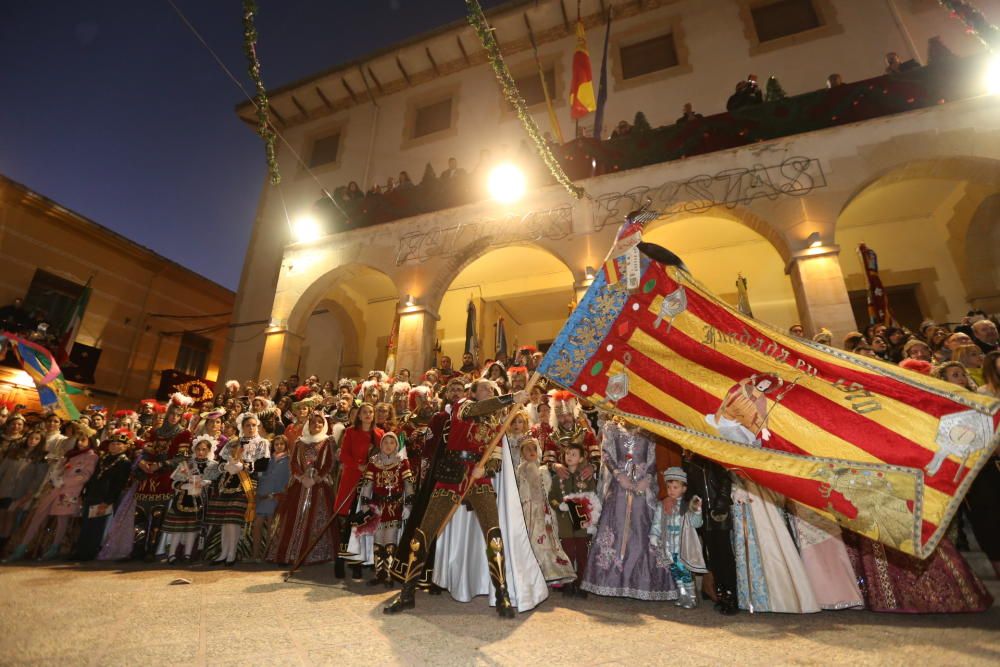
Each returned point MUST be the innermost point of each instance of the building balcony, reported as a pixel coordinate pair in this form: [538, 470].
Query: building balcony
[940, 83]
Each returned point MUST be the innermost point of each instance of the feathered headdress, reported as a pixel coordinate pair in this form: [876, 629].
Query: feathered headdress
[563, 402]
[401, 389]
[180, 400]
[233, 386]
[421, 392]
[301, 392]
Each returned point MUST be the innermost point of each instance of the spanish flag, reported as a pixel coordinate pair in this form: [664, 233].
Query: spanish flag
[581, 89]
[885, 452]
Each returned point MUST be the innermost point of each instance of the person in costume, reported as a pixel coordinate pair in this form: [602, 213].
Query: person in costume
[191, 480]
[102, 492]
[267, 415]
[386, 497]
[621, 563]
[385, 417]
[15, 429]
[231, 506]
[534, 486]
[99, 422]
[825, 558]
[211, 424]
[568, 426]
[163, 448]
[23, 470]
[674, 536]
[518, 378]
[578, 511]
[300, 409]
[270, 487]
[147, 412]
[308, 501]
[416, 430]
[516, 434]
[769, 569]
[357, 445]
[460, 476]
[713, 483]
[64, 496]
[400, 399]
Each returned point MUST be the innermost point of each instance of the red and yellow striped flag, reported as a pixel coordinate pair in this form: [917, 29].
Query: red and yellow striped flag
[581, 88]
[886, 452]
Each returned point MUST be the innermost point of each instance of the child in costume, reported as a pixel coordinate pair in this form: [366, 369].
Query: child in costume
[577, 509]
[674, 538]
[533, 486]
[387, 494]
[191, 480]
[271, 485]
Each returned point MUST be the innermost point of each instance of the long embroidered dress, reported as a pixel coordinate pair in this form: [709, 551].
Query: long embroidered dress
[826, 561]
[305, 510]
[533, 486]
[620, 563]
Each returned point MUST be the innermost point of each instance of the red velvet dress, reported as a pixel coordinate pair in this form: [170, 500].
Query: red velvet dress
[355, 449]
[303, 512]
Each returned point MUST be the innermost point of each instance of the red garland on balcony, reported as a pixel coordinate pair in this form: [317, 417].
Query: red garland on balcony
[975, 23]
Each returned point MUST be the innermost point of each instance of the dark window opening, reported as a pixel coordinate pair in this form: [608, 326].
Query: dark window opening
[530, 87]
[325, 150]
[432, 118]
[192, 357]
[54, 298]
[783, 18]
[652, 55]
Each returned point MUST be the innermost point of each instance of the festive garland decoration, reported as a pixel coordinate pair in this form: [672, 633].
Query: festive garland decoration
[260, 99]
[975, 23]
[479, 23]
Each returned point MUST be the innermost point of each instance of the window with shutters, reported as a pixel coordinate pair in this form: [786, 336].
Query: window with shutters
[193, 355]
[647, 56]
[432, 118]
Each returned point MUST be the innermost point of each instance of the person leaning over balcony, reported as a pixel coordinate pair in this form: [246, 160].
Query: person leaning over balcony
[404, 181]
[834, 80]
[747, 94]
[623, 129]
[353, 192]
[688, 114]
[893, 65]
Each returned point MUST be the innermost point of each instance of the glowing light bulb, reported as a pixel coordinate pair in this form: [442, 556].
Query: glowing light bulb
[506, 183]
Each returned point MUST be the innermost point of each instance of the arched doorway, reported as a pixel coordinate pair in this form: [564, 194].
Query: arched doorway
[929, 221]
[717, 249]
[345, 319]
[982, 253]
[529, 287]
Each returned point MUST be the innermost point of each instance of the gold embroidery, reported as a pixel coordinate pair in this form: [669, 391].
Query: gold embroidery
[881, 513]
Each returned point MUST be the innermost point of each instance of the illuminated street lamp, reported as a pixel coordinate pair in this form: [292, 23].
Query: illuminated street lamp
[306, 228]
[991, 78]
[506, 183]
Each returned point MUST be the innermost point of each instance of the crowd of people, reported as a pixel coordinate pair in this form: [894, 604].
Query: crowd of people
[372, 476]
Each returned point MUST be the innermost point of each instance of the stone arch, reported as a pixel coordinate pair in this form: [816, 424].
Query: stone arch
[695, 208]
[320, 287]
[982, 254]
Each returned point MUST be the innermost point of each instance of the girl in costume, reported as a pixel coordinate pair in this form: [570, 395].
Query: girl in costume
[534, 485]
[271, 485]
[387, 496]
[578, 511]
[22, 472]
[103, 491]
[191, 480]
[357, 445]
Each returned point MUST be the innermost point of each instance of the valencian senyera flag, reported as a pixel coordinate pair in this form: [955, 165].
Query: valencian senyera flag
[40, 365]
[581, 87]
[884, 451]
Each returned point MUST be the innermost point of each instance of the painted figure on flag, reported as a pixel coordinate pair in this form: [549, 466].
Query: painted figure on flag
[742, 415]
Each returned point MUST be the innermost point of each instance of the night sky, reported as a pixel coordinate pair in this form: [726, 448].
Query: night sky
[114, 110]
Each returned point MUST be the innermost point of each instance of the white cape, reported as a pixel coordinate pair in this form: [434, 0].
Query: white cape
[460, 560]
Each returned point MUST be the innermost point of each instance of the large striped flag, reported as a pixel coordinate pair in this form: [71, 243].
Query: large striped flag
[41, 366]
[581, 87]
[886, 452]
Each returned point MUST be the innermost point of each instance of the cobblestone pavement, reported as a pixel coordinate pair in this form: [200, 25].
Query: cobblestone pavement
[131, 615]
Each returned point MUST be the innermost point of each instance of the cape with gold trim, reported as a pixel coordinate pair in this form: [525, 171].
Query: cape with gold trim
[886, 452]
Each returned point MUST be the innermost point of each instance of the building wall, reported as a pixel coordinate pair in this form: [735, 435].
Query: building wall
[717, 50]
[129, 283]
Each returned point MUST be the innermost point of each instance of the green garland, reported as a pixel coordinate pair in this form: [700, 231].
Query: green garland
[260, 99]
[478, 22]
[975, 23]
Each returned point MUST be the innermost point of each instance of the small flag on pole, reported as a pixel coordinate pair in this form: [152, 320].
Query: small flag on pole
[501, 342]
[743, 297]
[471, 339]
[602, 88]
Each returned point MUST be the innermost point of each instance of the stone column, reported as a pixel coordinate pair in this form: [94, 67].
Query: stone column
[417, 330]
[282, 349]
[820, 292]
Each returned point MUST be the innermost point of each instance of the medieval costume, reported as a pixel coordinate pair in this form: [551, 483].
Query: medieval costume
[769, 570]
[102, 493]
[191, 480]
[308, 501]
[386, 496]
[674, 538]
[65, 496]
[942, 583]
[416, 431]
[578, 511]
[825, 558]
[232, 503]
[713, 484]
[356, 446]
[268, 416]
[473, 425]
[533, 486]
[621, 564]
[270, 486]
[23, 469]
[400, 399]
[164, 448]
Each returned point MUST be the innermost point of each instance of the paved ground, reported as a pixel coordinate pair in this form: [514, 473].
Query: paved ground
[65, 615]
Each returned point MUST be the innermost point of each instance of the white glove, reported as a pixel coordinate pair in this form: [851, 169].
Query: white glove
[406, 512]
[564, 506]
[233, 467]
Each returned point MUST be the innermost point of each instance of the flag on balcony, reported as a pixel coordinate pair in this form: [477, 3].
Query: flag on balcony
[742, 296]
[884, 451]
[602, 87]
[471, 339]
[581, 88]
[553, 119]
[878, 300]
[501, 342]
[390, 358]
[72, 325]
[53, 391]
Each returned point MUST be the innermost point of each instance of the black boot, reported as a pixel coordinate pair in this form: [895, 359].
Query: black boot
[498, 573]
[379, 557]
[389, 556]
[338, 568]
[414, 568]
[356, 572]
[728, 604]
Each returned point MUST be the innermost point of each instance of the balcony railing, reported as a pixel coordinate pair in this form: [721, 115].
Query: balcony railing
[950, 80]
